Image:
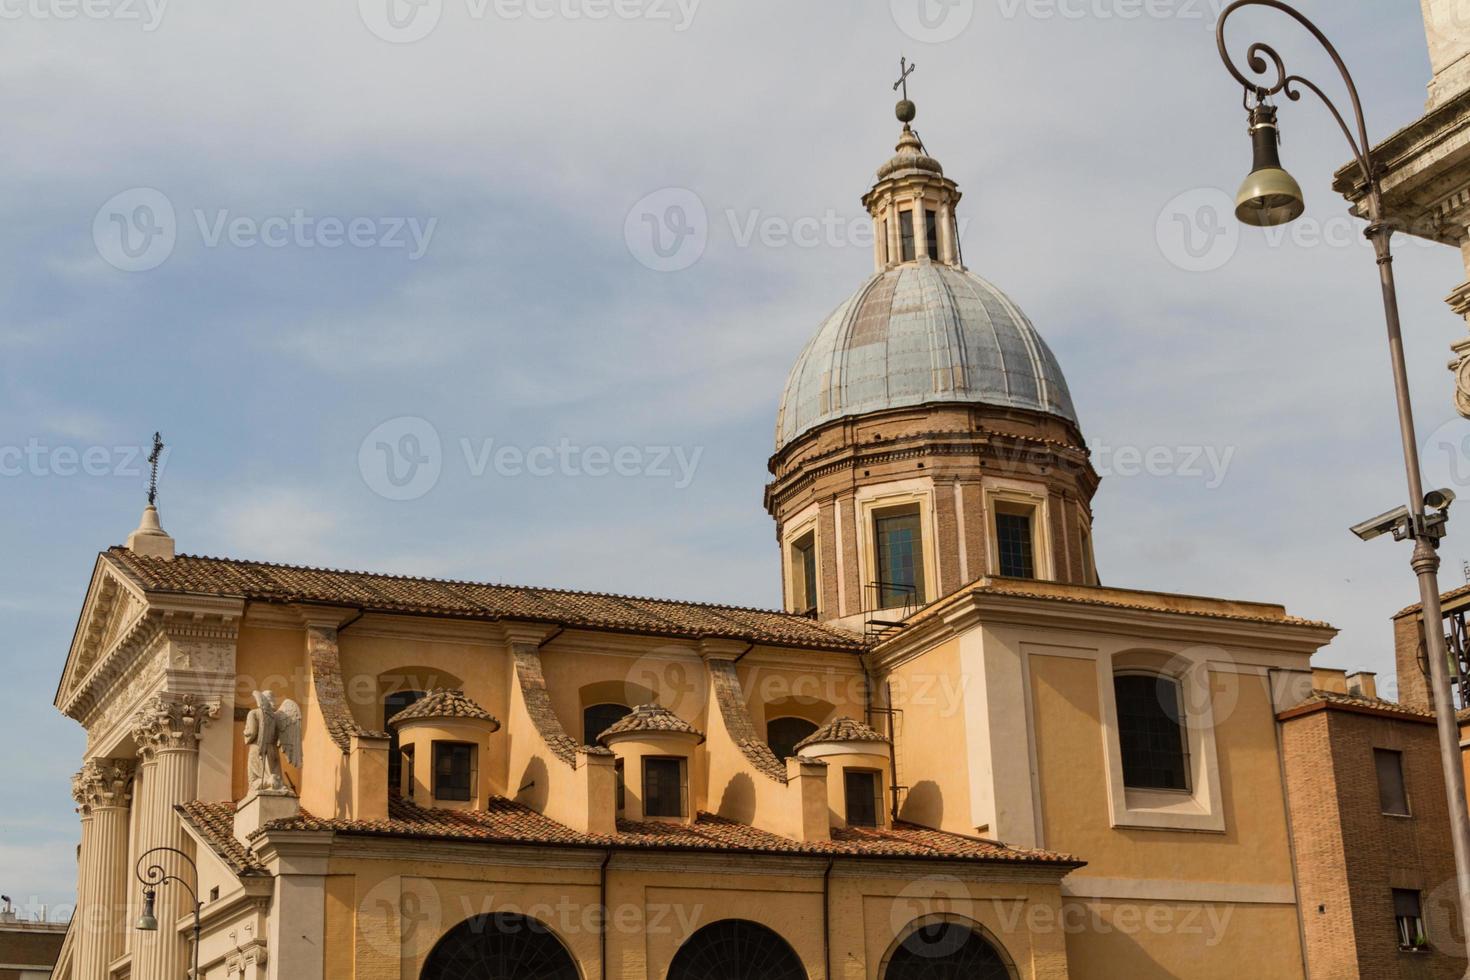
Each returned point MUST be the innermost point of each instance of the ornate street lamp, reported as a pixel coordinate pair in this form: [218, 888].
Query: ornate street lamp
[1271, 197]
[156, 875]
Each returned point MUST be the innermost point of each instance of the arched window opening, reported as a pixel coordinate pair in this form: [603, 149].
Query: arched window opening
[1151, 732]
[736, 950]
[500, 946]
[598, 718]
[782, 735]
[946, 950]
[392, 704]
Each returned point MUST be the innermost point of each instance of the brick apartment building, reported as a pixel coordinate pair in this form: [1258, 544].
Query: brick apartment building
[1375, 868]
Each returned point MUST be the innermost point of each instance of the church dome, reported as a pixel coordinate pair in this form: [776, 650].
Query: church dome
[920, 333]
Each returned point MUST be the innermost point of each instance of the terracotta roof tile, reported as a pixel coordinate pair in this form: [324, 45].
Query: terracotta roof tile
[507, 822]
[841, 730]
[266, 582]
[1328, 698]
[650, 718]
[444, 703]
[216, 824]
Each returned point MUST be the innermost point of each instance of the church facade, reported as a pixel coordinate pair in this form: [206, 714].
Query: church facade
[953, 754]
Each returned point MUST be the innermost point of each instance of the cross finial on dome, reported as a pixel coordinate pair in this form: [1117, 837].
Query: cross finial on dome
[906, 110]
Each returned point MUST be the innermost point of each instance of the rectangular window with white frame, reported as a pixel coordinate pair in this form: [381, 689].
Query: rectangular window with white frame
[804, 574]
[1018, 533]
[899, 551]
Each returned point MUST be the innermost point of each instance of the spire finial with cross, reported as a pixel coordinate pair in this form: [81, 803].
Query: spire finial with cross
[905, 70]
[153, 459]
[905, 109]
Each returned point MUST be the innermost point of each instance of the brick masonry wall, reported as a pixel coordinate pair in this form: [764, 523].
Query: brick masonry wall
[1350, 856]
[1413, 683]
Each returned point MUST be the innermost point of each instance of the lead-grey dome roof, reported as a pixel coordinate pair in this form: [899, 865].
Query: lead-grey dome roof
[921, 333]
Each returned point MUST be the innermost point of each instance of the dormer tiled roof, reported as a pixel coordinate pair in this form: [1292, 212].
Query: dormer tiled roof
[444, 703]
[504, 821]
[650, 718]
[372, 592]
[841, 730]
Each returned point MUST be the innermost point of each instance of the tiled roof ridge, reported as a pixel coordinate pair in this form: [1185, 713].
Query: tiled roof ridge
[506, 821]
[843, 729]
[650, 718]
[443, 702]
[1340, 698]
[433, 580]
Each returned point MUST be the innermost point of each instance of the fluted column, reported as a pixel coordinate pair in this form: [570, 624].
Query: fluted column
[169, 727]
[84, 872]
[102, 790]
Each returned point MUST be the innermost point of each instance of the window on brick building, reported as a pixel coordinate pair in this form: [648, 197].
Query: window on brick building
[1410, 919]
[1393, 799]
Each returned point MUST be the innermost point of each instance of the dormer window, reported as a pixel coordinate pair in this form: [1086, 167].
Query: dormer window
[664, 782]
[906, 235]
[392, 704]
[861, 790]
[454, 771]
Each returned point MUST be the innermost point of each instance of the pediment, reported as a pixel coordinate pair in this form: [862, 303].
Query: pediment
[112, 608]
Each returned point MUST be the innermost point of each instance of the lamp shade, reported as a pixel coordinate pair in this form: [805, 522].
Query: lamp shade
[147, 922]
[1269, 196]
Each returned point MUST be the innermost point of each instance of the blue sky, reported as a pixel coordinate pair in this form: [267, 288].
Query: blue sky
[525, 142]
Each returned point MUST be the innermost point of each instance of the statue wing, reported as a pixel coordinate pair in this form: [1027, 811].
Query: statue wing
[288, 731]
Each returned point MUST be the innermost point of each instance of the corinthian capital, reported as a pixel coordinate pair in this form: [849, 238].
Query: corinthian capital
[172, 721]
[103, 783]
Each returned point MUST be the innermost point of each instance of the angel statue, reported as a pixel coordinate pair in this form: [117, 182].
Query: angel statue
[270, 731]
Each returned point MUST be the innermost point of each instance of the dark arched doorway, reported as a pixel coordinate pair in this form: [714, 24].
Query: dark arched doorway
[500, 946]
[736, 950]
[944, 949]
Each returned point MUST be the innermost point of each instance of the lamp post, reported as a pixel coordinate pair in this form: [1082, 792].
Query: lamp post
[154, 876]
[1270, 196]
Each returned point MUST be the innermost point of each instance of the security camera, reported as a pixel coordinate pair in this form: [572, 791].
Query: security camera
[1439, 499]
[1395, 521]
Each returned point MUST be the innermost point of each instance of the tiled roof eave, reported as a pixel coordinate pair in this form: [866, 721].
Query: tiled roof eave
[277, 584]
